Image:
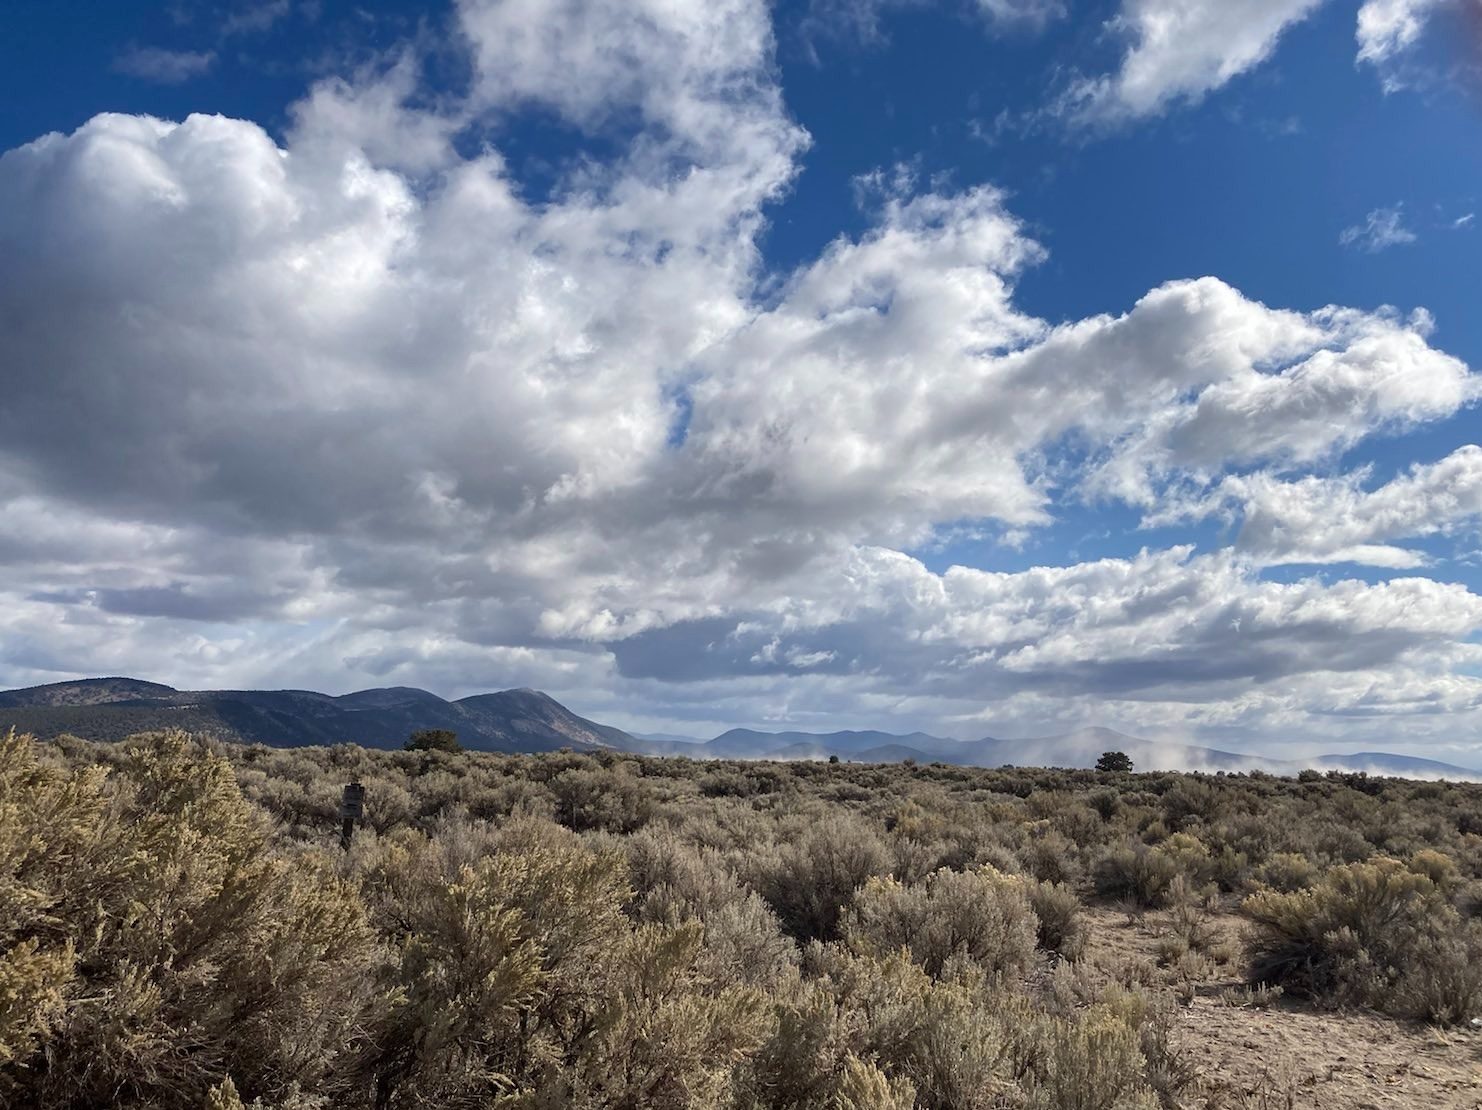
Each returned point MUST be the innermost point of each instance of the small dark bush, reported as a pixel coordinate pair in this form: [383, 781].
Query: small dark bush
[589, 798]
[1058, 911]
[814, 878]
[983, 916]
[1136, 873]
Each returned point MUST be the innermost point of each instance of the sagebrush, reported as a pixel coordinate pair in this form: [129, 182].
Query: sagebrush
[178, 927]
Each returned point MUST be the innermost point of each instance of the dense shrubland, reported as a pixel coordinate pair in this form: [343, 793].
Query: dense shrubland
[178, 927]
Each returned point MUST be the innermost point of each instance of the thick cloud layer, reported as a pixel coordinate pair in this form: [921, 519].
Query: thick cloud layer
[358, 409]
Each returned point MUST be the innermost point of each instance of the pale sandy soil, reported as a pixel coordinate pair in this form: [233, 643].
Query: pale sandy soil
[1291, 1055]
[1295, 1057]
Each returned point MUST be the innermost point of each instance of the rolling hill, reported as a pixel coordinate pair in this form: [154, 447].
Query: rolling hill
[530, 721]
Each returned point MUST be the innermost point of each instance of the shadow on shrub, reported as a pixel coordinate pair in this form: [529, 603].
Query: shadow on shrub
[1375, 934]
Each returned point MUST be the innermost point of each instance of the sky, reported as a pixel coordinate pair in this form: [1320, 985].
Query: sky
[986, 367]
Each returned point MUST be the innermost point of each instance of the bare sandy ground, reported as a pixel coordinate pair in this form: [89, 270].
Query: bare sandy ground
[1291, 1055]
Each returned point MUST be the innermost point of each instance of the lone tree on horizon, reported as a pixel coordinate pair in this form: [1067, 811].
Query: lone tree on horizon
[1119, 762]
[433, 740]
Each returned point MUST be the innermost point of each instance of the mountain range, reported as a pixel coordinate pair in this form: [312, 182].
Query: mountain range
[1079, 748]
[112, 708]
[529, 721]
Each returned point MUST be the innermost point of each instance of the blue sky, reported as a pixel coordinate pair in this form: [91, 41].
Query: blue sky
[991, 366]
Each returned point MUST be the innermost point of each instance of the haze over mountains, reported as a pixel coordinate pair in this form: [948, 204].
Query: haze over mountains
[530, 721]
[1079, 748]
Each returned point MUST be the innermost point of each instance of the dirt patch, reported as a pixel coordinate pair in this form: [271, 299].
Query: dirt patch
[1292, 1056]
[1288, 1055]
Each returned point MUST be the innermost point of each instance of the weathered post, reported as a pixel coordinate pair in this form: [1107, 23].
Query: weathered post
[352, 809]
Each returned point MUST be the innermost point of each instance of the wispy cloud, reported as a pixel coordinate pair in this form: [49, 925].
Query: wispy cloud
[1387, 28]
[862, 22]
[1178, 51]
[163, 67]
[1388, 33]
[256, 16]
[1381, 229]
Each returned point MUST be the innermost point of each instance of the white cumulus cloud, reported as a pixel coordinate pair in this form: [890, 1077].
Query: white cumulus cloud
[1336, 519]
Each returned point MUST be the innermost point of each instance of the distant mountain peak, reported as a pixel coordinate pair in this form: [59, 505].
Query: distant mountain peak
[528, 692]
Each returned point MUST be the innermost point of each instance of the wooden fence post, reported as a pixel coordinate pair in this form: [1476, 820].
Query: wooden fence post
[352, 809]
